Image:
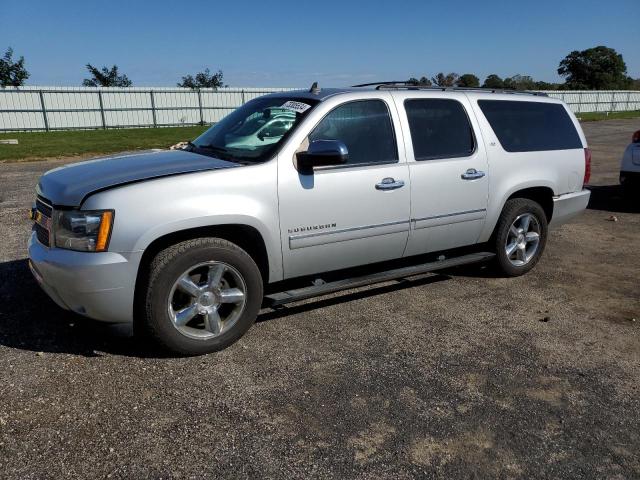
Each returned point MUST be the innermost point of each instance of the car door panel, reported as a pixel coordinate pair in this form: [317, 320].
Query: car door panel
[448, 195]
[339, 217]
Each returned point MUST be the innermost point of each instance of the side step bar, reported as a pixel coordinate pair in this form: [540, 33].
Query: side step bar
[280, 298]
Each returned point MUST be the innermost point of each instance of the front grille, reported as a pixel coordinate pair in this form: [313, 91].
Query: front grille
[43, 206]
[42, 232]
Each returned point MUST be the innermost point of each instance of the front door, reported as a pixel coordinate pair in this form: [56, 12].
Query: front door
[352, 214]
[448, 169]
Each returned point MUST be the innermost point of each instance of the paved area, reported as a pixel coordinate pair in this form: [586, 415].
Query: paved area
[458, 375]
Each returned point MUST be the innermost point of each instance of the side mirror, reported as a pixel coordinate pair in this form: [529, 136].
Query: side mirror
[322, 153]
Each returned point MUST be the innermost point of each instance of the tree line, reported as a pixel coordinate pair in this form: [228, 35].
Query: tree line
[597, 68]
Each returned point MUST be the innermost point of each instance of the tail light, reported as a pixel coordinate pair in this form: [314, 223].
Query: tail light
[587, 166]
[636, 137]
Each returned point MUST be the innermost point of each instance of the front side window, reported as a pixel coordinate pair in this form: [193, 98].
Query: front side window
[530, 126]
[253, 132]
[439, 128]
[365, 128]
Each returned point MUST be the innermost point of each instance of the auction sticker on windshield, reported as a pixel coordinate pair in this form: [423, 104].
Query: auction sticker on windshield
[296, 106]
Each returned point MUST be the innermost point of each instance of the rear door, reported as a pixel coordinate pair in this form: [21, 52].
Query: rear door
[448, 169]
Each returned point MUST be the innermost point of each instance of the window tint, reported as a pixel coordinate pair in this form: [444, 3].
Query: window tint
[530, 126]
[364, 127]
[439, 128]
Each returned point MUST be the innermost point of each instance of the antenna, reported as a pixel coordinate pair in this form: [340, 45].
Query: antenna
[314, 88]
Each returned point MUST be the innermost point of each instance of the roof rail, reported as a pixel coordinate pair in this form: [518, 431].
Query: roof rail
[393, 82]
[412, 86]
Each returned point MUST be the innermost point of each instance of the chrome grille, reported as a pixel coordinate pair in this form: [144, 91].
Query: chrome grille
[42, 234]
[42, 225]
[43, 206]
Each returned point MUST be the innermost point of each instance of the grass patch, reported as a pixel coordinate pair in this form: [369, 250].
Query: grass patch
[595, 116]
[34, 145]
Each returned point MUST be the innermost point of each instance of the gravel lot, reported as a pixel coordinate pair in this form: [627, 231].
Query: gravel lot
[458, 375]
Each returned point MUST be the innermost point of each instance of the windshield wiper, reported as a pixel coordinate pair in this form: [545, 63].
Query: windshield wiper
[222, 153]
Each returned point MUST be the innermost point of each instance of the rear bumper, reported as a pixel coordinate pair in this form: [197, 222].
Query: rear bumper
[97, 285]
[630, 178]
[567, 206]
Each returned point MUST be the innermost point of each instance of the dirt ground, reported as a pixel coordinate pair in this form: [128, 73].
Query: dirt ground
[456, 375]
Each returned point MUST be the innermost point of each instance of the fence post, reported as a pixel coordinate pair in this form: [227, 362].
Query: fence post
[153, 108]
[44, 112]
[104, 124]
[628, 101]
[613, 102]
[242, 92]
[200, 107]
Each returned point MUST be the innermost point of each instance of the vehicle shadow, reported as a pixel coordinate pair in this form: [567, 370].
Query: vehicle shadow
[30, 320]
[611, 198]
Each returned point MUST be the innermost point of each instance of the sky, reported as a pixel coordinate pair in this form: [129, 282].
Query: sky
[294, 43]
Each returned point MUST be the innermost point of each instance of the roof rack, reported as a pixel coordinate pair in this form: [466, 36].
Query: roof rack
[412, 86]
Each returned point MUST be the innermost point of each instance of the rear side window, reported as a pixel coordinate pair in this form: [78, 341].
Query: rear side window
[439, 128]
[365, 128]
[530, 126]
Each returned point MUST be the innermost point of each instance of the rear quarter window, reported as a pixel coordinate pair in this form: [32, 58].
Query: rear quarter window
[530, 126]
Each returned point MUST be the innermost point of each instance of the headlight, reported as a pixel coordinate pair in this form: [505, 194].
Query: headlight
[85, 231]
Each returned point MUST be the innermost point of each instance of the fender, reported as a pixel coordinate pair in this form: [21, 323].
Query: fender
[146, 211]
[498, 199]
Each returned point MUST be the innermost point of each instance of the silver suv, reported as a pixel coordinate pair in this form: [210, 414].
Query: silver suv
[189, 244]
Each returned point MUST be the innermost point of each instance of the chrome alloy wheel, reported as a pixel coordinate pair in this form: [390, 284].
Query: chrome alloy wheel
[207, 300]
[523, 239]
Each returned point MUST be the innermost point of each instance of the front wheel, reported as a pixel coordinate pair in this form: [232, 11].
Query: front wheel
[520, 236]
[202, 296]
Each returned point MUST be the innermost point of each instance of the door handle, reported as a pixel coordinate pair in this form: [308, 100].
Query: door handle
[389, 183]
[472, 174]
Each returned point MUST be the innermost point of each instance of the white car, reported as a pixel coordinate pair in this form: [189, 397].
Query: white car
[189, 244]
[630, 165]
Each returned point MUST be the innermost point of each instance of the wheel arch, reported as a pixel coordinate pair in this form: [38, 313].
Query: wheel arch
[541, 195]
[245, 236]
[540, 192]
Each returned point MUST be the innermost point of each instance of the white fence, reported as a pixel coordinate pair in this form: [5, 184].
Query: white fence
[582, 101]
[61, 108]
[64, 108]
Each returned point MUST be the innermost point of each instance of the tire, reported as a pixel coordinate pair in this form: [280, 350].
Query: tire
[193, 303]
[515, 213]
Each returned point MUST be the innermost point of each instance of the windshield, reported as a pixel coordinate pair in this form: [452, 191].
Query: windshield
[254, 131]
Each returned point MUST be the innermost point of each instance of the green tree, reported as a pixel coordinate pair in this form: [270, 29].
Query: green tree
[204, 79]
[520, 82]
[493, 81]
[541, 85]
[424, 81]
[598, 68]
[468, 80]
[12, 74]
[442, 80]
[106, 77]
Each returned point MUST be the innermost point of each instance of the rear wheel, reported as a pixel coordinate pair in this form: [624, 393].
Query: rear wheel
[520, 236]
[202, 296]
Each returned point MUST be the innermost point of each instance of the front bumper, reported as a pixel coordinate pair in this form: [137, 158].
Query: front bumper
[567, 206]
[97, 285]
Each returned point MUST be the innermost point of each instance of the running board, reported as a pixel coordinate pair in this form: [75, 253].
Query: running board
[280, 298]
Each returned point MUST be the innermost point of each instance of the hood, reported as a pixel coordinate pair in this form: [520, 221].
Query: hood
[71, 184]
